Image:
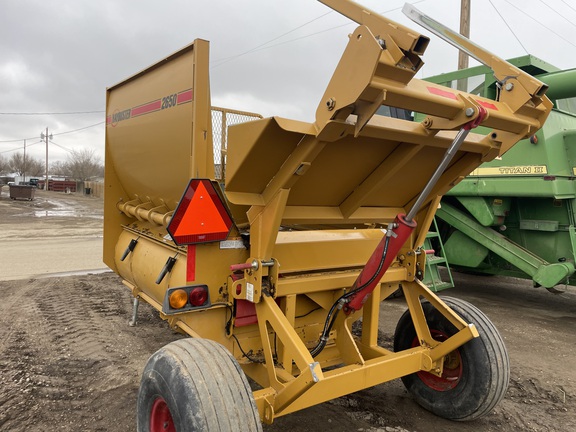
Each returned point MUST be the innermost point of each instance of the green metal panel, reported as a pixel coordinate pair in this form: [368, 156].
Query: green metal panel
[539, 225]
[488, 211]
[540, 167]
[463, 251]
[461, 248]
[529, 225]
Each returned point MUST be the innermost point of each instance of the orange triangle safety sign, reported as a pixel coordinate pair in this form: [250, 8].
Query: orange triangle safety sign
[200, 216]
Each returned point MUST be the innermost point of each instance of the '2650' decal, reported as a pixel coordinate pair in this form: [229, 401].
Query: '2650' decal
[165, 102]
[169, 101]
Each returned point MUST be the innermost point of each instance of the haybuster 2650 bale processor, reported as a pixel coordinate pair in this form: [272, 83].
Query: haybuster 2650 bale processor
[313, 225]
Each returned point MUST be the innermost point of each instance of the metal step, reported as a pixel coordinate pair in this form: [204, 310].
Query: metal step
[432, 277]
[435, 260]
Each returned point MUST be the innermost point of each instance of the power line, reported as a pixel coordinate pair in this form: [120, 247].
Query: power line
[509, 28]
[567, 4]
[81, 129]
[265, 45]
[51, 113]
[17, 140]
[61, 133]
[535, 20]
[256, 48]
[62, 147]
[558, 13]
[20, 148]
[301, 37]
[331, 28]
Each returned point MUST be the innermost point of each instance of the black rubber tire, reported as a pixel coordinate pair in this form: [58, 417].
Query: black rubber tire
[201, 384]
[483, 364]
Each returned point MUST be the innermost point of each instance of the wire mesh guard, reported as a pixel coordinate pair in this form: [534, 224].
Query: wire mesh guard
[222, 118]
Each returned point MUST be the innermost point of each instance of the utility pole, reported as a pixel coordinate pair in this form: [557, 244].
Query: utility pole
[464, 31]
[45, 137]
[24, 163]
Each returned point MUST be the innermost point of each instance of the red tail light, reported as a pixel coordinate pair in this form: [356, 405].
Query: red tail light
[198, 296]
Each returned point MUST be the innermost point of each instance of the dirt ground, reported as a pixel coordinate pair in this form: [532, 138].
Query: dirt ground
[70, 362]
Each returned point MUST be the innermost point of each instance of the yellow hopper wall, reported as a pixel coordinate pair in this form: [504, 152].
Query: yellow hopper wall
[152, 120]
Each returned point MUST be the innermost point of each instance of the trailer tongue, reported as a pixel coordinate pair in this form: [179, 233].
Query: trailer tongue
[309, 220]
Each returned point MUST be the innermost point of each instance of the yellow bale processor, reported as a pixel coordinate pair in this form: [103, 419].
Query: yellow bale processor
[266, 261]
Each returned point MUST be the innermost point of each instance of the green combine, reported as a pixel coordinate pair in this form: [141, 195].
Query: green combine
[516, 215]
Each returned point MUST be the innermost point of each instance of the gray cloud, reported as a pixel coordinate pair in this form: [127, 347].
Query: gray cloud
[60, 55]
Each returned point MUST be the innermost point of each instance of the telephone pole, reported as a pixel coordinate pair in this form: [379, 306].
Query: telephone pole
[464, 31]
[45, 137]
[463, 60]
[24, 164]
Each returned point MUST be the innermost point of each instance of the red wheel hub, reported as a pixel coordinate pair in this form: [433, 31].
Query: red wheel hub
[452, 370]
[160, 417]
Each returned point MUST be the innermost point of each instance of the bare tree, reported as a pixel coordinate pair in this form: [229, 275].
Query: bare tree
[3, 165]
[29, 166]
[83, 164]
[59, 168]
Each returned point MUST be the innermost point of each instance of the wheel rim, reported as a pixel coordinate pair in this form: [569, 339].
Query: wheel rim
[452, 370]
[160, 417]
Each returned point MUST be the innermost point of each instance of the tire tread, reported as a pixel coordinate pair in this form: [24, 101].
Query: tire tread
[495, 371]
[220, 398]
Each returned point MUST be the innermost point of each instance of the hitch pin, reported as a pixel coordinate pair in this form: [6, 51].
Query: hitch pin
[254, 265]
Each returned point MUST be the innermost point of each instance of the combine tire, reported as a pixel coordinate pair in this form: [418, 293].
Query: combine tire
[475, 376]
[195, 385]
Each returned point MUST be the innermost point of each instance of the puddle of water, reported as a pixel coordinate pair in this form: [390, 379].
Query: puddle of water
[59, 213]
[61, 209]
[47, 213]
[65, 213]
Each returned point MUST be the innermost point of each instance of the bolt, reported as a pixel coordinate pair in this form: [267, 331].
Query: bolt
[330, 104]
[509, 86]
[469, 112]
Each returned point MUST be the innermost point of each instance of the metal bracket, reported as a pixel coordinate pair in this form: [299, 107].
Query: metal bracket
[535, 89]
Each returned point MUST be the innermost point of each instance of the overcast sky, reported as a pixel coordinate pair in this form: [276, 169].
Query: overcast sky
[274, 57]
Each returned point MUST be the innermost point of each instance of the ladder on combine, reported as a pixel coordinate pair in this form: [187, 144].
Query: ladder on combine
[435, 258]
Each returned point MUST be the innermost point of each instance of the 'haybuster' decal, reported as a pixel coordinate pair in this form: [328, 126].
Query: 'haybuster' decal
[165, 102]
